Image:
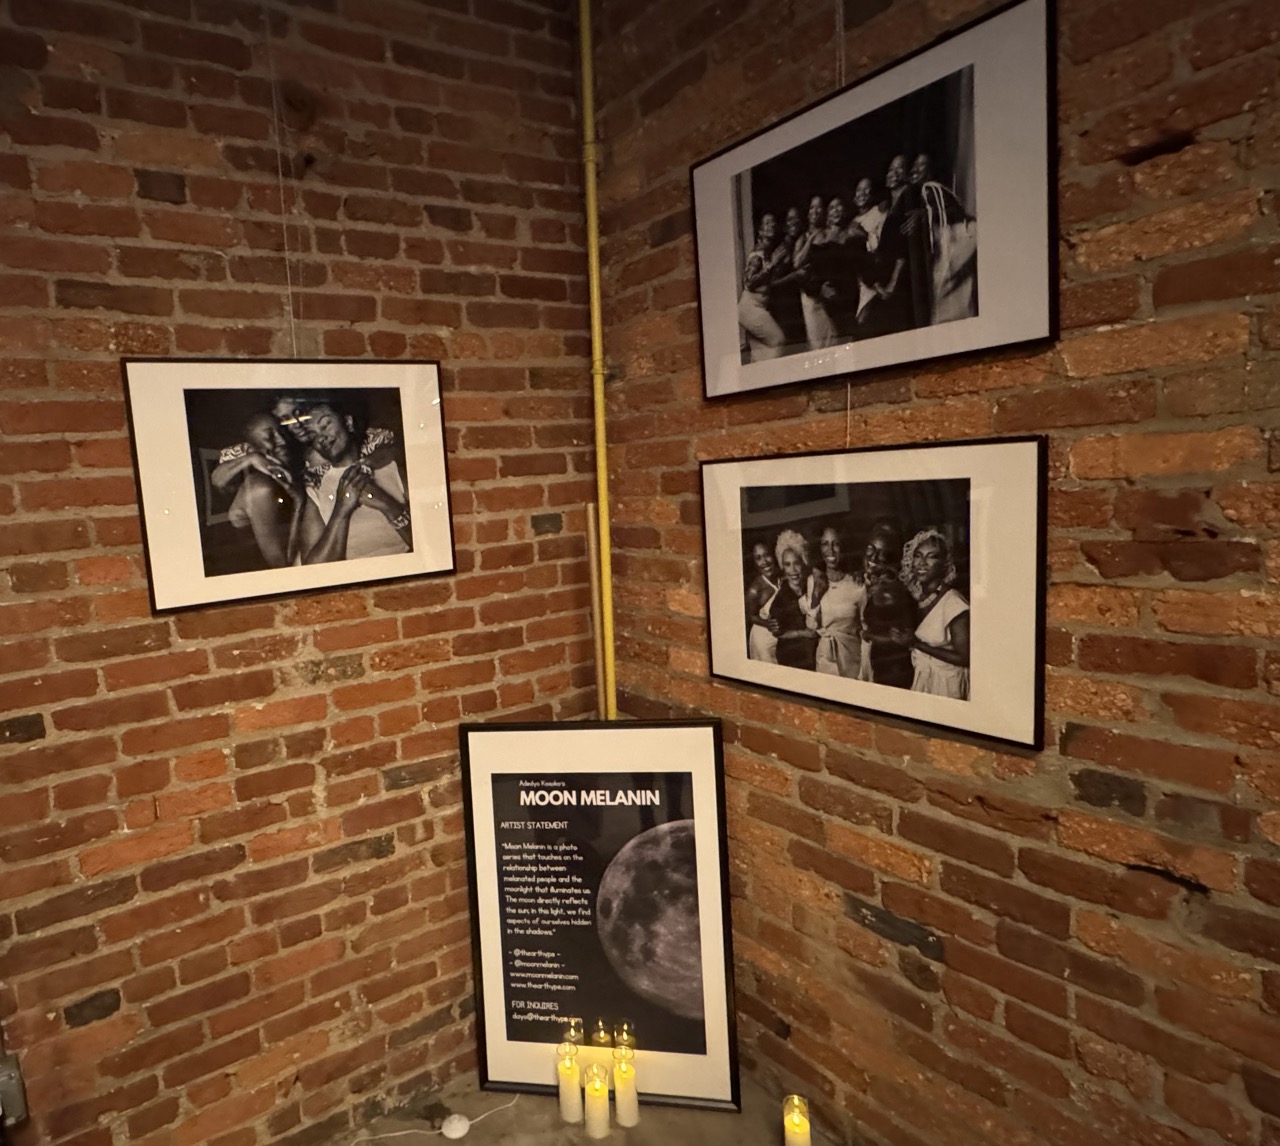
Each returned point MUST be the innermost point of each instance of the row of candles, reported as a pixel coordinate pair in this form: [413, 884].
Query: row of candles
[583, 1072]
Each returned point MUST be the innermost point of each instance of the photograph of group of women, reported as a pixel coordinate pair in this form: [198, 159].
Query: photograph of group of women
[867, 581]
[298, 478]
[867, 230]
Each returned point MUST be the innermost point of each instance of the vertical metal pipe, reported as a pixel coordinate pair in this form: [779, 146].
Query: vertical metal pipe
[593, 562]
[605, 565]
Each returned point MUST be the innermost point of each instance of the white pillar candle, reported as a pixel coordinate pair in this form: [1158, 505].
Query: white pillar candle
[599, 1049]
[795, 1121]
[570, 1087]
[625, 1098]
[596, 1099]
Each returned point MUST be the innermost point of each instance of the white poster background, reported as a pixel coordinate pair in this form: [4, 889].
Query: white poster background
[168, 492]
[563, 751]
[1003, 576]
[1011, 159]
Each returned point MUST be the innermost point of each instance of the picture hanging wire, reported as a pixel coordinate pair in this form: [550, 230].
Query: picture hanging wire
[276, 129]
[839, 43]
[848, 386]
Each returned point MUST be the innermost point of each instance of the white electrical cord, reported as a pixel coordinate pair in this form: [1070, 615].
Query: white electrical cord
[455, 1126]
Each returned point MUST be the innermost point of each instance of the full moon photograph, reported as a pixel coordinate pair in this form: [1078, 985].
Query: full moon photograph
[647, 916]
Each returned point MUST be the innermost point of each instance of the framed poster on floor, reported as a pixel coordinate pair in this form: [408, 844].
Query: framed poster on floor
[902, 580]
[599, 892]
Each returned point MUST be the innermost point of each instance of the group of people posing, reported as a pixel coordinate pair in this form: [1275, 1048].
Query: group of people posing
[898, 620]
[314, 483]
[903, 257]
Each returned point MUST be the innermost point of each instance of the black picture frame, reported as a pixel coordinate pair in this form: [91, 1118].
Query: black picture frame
[614, 818]
[941, 547]
[224, 450]
[971, 236]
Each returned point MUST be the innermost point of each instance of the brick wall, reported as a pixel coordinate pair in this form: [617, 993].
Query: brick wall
[232, 902]
[940, 943]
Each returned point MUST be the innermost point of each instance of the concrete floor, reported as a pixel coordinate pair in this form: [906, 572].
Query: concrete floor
[534, 1120]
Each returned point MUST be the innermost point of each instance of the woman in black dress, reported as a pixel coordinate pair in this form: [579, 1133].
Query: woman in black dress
[893, 308]
[784, 292]
[887, 611]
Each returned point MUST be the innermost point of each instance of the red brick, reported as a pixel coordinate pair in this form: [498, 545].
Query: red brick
[1203, 1107]
[1241, 721]
[190, 937]
[1241, 29]
[281, 713]
[1083, 971]
[204, 1062]
[1160, 959]
[951, 839]
[1051, 1037]
[151, 1052]
[58, 835]
[1227, 665]
[1007, 899]
[1008, 1056]
[1186, 107]
[1207, 1063]
[1141, 455]
[1121, 843]
[49, 950]
[850, 876]
[83, 901]
[1236, 275]
[937, 913]
[1247, 931]
[1008, 978]
[1137, 893]
[137, 848]
[1208, 768]
[1238, 1026]
[992, 811]
[174, 734]
[800, 753]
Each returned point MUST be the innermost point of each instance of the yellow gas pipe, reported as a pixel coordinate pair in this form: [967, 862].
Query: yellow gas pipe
[605, 569]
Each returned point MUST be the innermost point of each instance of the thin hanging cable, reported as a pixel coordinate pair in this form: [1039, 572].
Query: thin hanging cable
[848, 386]
[839, 43]
[276, 130]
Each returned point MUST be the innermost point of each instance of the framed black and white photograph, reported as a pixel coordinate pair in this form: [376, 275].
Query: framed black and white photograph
[904, 218]
[266, 477]
[598, 879]
[903, 580]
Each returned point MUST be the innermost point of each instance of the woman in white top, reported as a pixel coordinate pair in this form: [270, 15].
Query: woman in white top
[940, 644]
[836, 597]
[762, 626]
[769, 259]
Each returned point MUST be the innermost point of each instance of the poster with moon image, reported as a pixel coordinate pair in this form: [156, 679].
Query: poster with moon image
[598, 897]
[599, 891]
